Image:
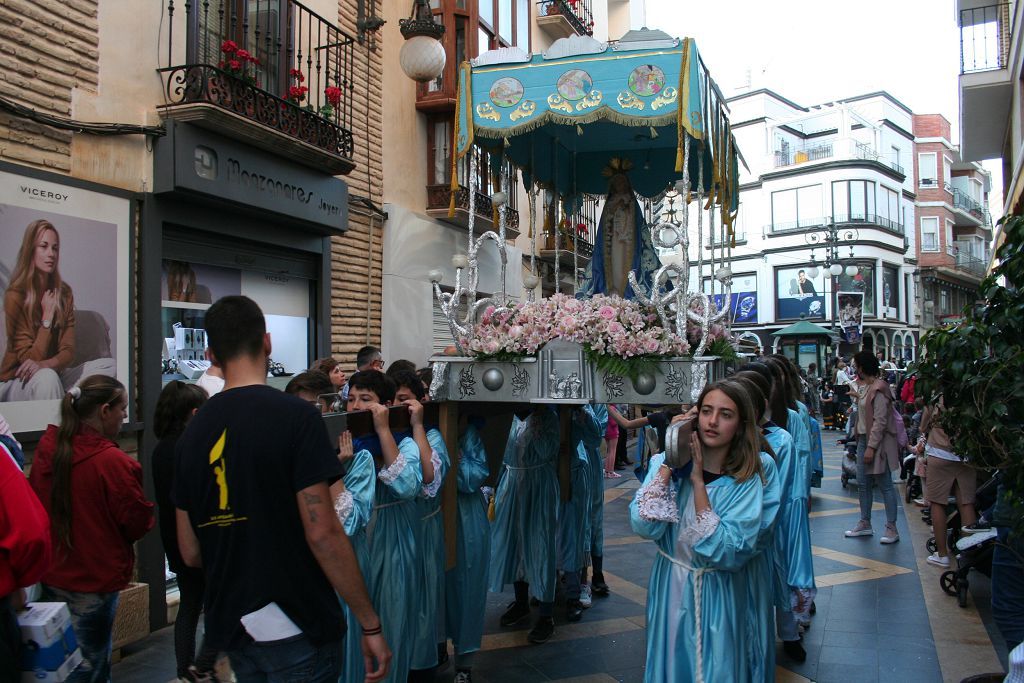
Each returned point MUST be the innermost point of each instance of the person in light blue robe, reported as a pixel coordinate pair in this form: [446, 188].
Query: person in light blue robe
[392, 568]
[595, 525]
[523, 549]
[466, 583]
[761, 579]
[801, 567]
[428, 626]
[623, 244]
[574, 514]
[817, 456]
[688, 557]
[359, 482]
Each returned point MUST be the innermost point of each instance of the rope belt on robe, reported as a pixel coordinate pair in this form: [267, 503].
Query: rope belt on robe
[531, 467]
[698, 584]
[432, 514]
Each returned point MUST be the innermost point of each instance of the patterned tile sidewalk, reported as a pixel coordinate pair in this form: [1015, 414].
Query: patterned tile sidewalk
[876, 609]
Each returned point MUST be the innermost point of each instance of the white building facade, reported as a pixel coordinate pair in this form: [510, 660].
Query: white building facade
[829, 184]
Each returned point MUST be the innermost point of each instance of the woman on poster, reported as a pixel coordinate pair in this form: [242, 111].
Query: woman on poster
[39, 308]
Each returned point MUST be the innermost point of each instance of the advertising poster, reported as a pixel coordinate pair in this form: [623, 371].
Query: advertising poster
[851, 316]
[64, 274]
[799, 294]
[863, 281]
[742, 299]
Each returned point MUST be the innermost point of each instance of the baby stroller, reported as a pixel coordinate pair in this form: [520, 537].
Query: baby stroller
[973, 552]
[849, 460]
[914, 487]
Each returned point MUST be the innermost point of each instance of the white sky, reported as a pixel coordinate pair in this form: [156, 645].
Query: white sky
[815, 51]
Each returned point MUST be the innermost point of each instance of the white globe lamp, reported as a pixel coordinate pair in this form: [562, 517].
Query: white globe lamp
[812, 272]
[835, 269]
[851, 270]
[422, 56]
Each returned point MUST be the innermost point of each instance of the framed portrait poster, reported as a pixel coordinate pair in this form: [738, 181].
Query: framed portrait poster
[798, 294]
[65, 279]
[851, 316]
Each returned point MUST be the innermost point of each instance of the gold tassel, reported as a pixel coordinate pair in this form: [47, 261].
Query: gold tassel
[451, 205]
[679, 157]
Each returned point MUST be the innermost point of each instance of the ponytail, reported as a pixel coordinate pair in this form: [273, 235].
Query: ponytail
[79, 402]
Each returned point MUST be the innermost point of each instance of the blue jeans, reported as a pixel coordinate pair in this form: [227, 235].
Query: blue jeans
[865, 482]
[292, 660]
[1008, 588]
[92, 618]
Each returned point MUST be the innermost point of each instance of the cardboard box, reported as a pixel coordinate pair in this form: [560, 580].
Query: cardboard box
[49, 647]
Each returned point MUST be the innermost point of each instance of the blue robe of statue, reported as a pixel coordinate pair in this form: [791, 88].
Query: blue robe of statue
[688, 553]
[392, 570]
[360, 482]
[645, 260]
[428, 629]
[761, 588]
[466, 583]
[526, 507]
[595, 541]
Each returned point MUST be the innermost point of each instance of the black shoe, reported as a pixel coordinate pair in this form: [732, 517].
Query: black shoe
[814, 608]
[573, 610]
[515, 613]
[442, 657]
[794, 650]
[599, 587]
[542, 630]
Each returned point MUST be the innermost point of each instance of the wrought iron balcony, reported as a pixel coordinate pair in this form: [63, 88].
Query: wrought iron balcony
[790, 156]
[254, 65]
[985, 38]
[439, 197]
[964, 202]
[576, 13]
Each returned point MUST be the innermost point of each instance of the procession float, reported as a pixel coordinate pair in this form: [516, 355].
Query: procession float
[649, 319]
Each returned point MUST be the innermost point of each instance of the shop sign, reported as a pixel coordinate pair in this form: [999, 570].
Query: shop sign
[194, 160]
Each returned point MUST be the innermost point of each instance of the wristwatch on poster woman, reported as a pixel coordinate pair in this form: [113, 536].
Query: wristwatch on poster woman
[46, 324]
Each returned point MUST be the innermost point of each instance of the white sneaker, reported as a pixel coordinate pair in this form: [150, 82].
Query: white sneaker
[586, 595]
[862, 529]
[939, 560]
[891, 535]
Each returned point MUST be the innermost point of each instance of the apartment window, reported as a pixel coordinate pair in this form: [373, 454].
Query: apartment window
[796, 208]
[896, 155]
[929, 233]
[947, 173]
[889, 207]
[949, 236]
[853, 200]
[927, 169]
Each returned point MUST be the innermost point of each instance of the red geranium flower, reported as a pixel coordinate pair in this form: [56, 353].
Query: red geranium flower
[229, 47]
[297, 93]
[333, 95]
[243, 55]
[235, 65]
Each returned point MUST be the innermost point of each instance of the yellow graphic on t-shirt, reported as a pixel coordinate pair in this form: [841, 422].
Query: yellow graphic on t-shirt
[220, 469]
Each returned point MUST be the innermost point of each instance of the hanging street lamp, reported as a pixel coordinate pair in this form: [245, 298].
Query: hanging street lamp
[422, 56]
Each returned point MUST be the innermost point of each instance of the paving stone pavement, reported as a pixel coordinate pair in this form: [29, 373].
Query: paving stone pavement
[872, 622]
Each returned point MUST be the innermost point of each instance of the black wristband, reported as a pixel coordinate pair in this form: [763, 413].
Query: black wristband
[373, 631]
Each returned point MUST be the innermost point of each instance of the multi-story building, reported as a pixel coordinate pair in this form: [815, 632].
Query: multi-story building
[826, 206]
[955, 228]
[419, 235]
[991, 99]
[184, 151]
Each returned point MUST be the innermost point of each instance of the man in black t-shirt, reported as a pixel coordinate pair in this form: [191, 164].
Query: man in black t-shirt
[254, 510]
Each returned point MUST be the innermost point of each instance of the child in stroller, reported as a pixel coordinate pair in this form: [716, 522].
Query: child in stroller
[850, 442]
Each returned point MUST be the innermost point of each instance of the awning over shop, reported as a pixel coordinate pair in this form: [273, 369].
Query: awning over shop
[805, 328]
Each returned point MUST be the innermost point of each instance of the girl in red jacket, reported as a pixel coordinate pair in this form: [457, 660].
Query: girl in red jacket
[93, 494]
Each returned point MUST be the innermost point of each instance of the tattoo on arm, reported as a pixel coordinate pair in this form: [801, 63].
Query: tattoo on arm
[311, 500]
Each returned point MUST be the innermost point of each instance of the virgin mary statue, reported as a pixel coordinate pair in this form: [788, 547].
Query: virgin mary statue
[623, 242]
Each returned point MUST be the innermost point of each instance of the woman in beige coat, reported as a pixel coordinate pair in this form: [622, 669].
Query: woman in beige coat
[878, 454]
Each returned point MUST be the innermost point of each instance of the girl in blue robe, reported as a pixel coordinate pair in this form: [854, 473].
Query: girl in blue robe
[817, 456]
[523, 548]
[466, 583]
[354, 507]
[574, 514]
[707, 527]
[428, 627]
[595, 525]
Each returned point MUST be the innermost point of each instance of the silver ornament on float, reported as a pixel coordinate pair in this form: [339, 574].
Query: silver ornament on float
[493, 379]
[644, 383]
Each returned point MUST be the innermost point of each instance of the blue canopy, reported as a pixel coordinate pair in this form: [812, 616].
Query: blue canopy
[563, 117]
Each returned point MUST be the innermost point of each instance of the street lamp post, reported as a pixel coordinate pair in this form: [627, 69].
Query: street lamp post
[830, 239]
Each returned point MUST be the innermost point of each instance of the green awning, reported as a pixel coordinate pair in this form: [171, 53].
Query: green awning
[803, 328]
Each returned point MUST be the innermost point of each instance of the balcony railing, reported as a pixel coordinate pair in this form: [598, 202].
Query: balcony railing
[439, 198]
[984, 38]
[968, 262]
[964, 202]
[274, 62]
[577, 12]
[814, 223]
[788, 157]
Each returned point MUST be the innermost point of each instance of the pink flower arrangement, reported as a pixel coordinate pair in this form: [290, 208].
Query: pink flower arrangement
[605, 325]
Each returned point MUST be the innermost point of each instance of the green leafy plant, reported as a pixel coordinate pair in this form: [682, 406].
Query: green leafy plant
[977, 367]
[630, 367]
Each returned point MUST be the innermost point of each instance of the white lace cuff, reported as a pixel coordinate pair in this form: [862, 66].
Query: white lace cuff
[702, 527]
[343, 505]
[430, 490]
[656, 503]
[389, 474]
